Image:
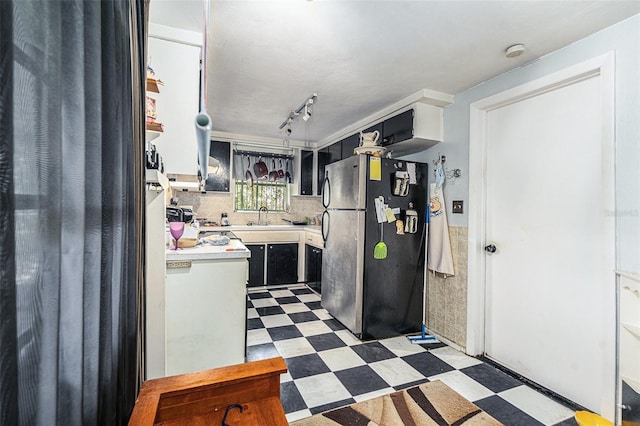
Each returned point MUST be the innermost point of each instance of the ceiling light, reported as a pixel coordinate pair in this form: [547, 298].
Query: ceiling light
[514, 51]
[305, 106]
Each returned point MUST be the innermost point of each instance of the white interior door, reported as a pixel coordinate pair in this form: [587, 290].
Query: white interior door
[546, 283]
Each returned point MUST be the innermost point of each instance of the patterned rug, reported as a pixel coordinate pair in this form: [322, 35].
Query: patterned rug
[432, 403]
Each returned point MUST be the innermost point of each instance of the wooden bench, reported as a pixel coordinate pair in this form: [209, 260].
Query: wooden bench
[202, 398]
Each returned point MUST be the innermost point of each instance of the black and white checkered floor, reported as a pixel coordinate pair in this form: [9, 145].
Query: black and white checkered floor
[329, 367]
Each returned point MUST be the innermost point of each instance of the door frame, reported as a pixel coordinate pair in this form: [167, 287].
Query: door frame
[602, 66]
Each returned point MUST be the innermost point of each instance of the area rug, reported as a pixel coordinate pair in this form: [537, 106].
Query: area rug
[432, 403]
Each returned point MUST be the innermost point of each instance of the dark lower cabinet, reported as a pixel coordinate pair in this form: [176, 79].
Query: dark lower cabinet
[306, 172]
[313, 267]
[256, 265]
[282, 263]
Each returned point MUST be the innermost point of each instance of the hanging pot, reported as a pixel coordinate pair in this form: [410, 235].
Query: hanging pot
[287, 174]
[260, 169]
[273, 174]
[248, 175]
[280, 172]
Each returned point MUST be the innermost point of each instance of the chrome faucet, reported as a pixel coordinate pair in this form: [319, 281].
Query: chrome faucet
[260, 210]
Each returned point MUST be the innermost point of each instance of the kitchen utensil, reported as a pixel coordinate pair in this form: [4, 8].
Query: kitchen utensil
[260, 169]
[411, 220]
[273, 174]
[248, 175]
[174, 214]
[280, 171]
[380, 249]
[287, 174]
[295, 222]
[177, 229]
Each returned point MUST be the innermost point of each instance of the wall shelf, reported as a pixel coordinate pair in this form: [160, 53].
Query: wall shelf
[152, 85]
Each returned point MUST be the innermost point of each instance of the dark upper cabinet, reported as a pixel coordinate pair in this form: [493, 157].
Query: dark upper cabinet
[398, 128]
[256, 265]
[306, 172]
[373, 128]
[323, 160]
[348, 144]
[219, 177]
[335, 152]
[282, 263]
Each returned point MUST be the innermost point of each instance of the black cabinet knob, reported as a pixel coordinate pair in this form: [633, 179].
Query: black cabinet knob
[490, 248]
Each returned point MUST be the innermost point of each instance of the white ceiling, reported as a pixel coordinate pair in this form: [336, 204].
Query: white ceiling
[266, 57]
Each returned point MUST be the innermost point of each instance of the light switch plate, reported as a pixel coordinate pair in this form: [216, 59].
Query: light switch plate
[457, 207]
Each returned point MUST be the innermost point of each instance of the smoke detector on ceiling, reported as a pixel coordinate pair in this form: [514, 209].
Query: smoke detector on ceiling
[514, 51]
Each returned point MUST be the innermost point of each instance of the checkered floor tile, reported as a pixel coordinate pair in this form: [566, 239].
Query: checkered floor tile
[329, 367]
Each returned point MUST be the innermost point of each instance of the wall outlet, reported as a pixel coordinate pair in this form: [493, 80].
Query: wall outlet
[457, 207]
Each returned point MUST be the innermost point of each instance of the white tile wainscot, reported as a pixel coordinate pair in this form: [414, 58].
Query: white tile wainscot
[205, 307]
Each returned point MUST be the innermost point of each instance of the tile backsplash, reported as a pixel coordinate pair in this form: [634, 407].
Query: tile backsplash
[447, 297]
[212, 205]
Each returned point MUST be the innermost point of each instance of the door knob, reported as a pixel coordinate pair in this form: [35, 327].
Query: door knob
[490, 248]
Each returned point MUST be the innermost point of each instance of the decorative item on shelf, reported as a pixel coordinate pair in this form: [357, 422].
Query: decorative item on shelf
[152, 82]
[369, 144]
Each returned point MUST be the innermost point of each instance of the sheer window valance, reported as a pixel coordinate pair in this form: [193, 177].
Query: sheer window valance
[260, 166]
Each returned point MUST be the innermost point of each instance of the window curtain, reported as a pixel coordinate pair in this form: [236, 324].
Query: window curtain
[261, 166]
[71, 210]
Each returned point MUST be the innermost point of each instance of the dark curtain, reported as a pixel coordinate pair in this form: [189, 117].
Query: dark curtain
[71, 210]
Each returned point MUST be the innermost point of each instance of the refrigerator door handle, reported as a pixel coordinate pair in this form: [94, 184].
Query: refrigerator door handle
[325, 226]
[326, 191]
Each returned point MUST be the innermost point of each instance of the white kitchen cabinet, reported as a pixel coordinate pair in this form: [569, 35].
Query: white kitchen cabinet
[154, 273]
[205, 308]
[178, 65]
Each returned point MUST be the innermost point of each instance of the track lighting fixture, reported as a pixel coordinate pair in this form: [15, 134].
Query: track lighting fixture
[305, 109]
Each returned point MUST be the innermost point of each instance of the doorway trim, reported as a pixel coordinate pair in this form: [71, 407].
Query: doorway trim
[602, 66]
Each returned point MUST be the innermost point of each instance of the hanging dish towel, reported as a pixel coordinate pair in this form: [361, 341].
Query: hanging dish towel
[439, 257]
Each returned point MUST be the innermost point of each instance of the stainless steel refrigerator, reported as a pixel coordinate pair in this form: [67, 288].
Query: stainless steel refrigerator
[374, 298]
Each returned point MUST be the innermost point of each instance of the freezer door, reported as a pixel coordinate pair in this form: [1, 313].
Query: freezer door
[344, 185]
[342, 268]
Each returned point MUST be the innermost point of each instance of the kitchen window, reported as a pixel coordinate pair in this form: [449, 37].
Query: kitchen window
[272, 195]
[262, 179]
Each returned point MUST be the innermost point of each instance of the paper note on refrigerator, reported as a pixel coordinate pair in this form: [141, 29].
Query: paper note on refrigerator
[375, 168]
[389, 215]
[379, 203]
[411, 169]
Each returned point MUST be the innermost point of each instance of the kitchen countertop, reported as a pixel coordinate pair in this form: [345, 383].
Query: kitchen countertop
[312, 228]
[237, 250]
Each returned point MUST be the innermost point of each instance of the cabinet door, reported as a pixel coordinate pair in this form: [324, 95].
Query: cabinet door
[218, 177]
[349, 144]
[398, 128]
[256, 265]
[313, 267]
[323, 160]
[282, 263]
[335, 152]
[306, 172]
